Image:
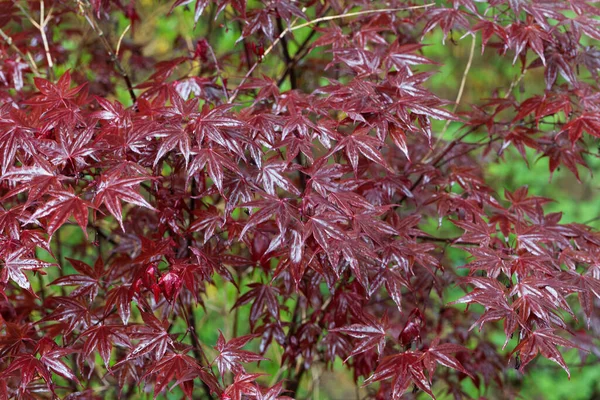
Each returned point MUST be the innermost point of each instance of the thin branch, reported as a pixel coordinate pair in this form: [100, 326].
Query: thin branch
[302, 51]
[121, 39]
[461, 89]
[196, 345]
[286, 55]
[293, 27]
[42, 28]
[355, 14]
[514, 83]
[89, 16]
[9, 41]
[453, 241]
[219, 72]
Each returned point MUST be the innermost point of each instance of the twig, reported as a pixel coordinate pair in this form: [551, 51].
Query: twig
[196, 345]
[514, 83]
[461, 89]
[354, 14]
[293, 27]
[89, 16]
[302, 51]
[21, 55]
[439, 158]
[42, 27]
[121, 39]
[452, 241]
[219, 72]
[60, 258]
[286, 56]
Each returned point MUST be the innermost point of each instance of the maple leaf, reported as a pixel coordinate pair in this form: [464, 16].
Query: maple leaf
[55, 95]
[13, 137]
[371, 334]
[152, 338]
[173, 136]
[243, 384]
[88, 279]
[272, 175]
[58, 210]
[231, 356]
[268, 207]
[215, 162]
[587, 122]
[262, 297]
[182, 367]
[441, 354]
[360, 142]
[113, 189]
[39, 178]
[70, 311]
[119, 297]
[477, 231]
[404, 369]
[588, 287]
[101, 338]
[528, 35]
[27, 366]
[71, 147]
[217, 124]
[207, 222]
[323, 228]
[403, 55]
[542, 341]
[14, 265]
[11, 220]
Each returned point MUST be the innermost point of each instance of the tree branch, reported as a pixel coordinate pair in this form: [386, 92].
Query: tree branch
[293, 27]
[89, 16]
[21, 55]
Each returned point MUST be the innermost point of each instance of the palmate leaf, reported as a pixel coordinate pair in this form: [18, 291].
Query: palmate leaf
[269, 207]
[262, 297]
[360, 143]
[404, 369]
[113, 189]
[243, 384]
[215, 162]
[87, 279]
[102, 338]
[13, 137]
[181, 367]
[16, 263]
[542, 341]
[173, 137]
[58, 210]
[152, 338]
[231, 356]
[442, 354]
[272, 175]
[370, 334]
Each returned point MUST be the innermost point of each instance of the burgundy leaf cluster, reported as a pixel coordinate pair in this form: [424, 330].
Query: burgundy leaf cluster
[310, 167]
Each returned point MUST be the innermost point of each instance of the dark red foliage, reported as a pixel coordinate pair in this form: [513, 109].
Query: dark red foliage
[307, 177]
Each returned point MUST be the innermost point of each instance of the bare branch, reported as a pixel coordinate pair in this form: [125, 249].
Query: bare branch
[9, 41]
[89, 16]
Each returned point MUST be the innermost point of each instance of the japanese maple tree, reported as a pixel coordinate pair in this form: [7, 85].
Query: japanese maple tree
[308, 166]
